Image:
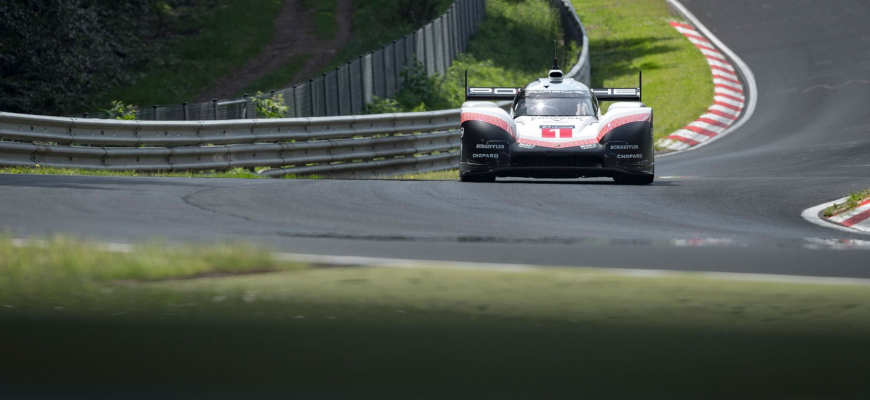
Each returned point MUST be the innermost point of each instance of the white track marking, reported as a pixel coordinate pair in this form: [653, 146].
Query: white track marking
[632, 272]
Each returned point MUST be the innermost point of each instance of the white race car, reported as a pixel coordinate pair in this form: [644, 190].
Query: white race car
[554, 129]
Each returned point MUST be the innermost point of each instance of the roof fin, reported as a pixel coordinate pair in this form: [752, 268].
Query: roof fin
[555, 73]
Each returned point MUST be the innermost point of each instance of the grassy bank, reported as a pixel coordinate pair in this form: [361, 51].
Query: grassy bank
[207, 47]
[626, 36]
[493, 57]
[379, 22]
[852, 201]
[323, 14]
[280, 77]
[75, 316]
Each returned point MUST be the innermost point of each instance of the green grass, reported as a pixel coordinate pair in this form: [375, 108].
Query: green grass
[492, 57]
[211, 46]
[379, 22]
[323, 14]
[278, 78]
[59, 264]
[75, 316]
[626, 36]
[851, 202]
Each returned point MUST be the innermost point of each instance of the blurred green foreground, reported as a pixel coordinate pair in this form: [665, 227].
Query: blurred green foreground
[84, 320]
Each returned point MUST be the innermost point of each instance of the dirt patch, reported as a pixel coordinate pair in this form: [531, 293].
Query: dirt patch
[293, 37]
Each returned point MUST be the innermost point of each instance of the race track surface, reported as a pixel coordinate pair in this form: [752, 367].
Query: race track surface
[733, 206]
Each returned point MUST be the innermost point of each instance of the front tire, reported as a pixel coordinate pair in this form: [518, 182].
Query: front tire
[634, 179]
[475, 178]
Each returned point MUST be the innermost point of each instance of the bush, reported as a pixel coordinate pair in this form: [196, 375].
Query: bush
[270, 106]
[59, 56]
[491, 59]
[121, 111]
[383, 106]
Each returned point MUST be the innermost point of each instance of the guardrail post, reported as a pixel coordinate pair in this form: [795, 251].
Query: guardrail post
[184, 111]
[86, 115]
[323, 90]
[245, 109]
[154, 107]
[350, 87]
[311, 95]
[214, 109]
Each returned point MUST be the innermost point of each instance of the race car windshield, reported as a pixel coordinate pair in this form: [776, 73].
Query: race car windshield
[551, 105]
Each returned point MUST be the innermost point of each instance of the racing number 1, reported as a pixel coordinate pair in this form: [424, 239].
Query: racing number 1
[557, 132]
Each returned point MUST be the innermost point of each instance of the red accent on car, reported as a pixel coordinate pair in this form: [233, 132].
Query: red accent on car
[616, 123]
[646, 117]
[564, 133]
[489, 119]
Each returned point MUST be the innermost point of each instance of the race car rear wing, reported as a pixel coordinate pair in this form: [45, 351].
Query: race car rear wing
[490, 93]
[503, 93]
[625, 94]
[632, 94]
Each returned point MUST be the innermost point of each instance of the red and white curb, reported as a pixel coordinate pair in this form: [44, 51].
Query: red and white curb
[728, 99]
[730, 108]
[856, 220]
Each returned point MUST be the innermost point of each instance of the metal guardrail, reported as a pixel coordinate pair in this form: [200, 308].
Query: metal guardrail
[355, 146]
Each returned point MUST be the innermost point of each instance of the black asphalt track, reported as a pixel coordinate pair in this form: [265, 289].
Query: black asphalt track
[734, 205]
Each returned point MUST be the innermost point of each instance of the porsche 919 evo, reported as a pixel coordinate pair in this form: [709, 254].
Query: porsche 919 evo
[554, 129]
